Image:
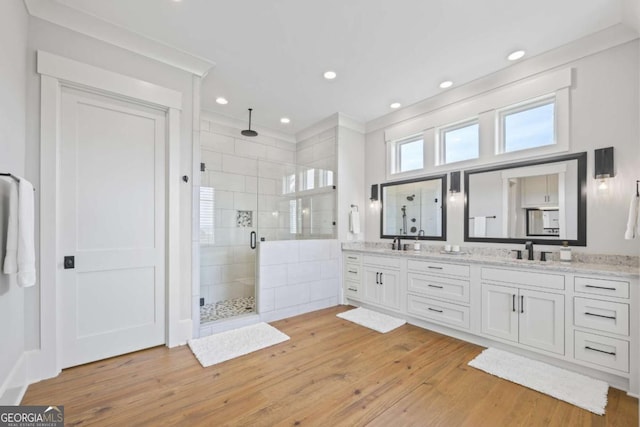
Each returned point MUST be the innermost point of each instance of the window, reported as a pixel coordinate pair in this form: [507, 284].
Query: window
[527, 126]
[207, 215]
[460, 142]
[409, 154]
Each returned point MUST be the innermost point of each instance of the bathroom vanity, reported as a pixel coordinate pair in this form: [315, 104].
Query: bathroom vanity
[580, 316]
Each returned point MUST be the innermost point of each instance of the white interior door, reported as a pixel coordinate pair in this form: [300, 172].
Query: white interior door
[112, 220]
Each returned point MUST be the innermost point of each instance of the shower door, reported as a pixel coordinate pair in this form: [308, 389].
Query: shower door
[228, 235]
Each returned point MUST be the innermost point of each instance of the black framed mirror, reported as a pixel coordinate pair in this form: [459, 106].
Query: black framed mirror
[415, 208]
[543, 201]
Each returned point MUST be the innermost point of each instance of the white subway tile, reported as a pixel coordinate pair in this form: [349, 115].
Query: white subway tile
[250, 149]
[288, 296]
[216, 142]
[314, 250]
[266, 300]
[330, 269]
[226, 181]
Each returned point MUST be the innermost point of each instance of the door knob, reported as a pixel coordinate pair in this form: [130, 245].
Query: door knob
[69, 262]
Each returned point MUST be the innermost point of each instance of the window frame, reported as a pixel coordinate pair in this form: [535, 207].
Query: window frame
[529, 104]
[441, 149]
[395, 151]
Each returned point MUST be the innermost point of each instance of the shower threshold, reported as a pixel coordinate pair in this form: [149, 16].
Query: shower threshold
[227, 309]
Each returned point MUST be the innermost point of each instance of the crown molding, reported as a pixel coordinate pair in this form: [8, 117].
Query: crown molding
[91, 26]
[336, 119]
[234, 123]
[597, 42]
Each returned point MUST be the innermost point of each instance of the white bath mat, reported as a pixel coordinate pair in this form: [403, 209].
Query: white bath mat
[230, 344]
[372, 320]
[579, 390]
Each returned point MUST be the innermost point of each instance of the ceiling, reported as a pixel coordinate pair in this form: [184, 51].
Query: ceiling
[271, 55]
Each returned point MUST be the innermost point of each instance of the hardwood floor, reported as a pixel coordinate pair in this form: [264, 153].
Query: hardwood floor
[332, 372]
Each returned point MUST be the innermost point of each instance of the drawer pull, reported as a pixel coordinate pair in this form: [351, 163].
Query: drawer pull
[433, 309]
[377, 278]
[353, 289]
[352, 271]
[600, 351]
[381, 278]
[521, 303]
[435, 268]
[351, 257]
[435, 286]
[514, 303]
[600, 287]
[600, 315]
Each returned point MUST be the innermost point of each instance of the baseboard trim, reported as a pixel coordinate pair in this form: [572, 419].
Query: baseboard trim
[13, 388]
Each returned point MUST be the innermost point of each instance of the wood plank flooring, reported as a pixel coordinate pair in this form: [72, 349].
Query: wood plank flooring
[331, 373]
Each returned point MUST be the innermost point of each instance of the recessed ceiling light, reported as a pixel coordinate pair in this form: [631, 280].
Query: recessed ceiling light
[285, 120]
[395, 105]
[222, 101]
[330, 75]
[514, 56]
[445, 84]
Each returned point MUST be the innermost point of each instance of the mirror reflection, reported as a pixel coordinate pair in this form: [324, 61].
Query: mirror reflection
[541, 200]
[414, 208]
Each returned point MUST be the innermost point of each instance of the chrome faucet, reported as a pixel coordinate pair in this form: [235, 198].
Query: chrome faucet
[399, 244]
[528, 246]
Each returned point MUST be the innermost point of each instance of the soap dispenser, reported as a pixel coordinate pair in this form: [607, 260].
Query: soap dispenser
[565, 252]
[416, 245]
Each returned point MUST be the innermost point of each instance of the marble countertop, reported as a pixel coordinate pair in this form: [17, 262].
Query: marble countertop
[506, 260]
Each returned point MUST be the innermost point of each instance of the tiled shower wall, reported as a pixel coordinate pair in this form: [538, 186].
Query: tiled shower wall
[240, 175]
[297, 276]
[316, 160]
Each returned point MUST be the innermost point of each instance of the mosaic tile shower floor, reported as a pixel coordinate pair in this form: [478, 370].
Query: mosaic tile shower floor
[227, 308]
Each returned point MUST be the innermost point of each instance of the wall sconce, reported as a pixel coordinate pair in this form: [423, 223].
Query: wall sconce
[454, 188]
[603, 166]
[374, 195]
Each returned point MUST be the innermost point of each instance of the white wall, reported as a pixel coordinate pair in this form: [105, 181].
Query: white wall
[52, 38]
[13, 61]
[604, 112]
[297, 276]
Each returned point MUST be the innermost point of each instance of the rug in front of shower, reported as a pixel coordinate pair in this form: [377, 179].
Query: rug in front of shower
[228, 345]
[227, 308]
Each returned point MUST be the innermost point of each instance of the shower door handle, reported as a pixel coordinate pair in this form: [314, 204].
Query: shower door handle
[252, 240]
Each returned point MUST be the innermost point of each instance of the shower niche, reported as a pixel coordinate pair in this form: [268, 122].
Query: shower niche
[414, 208]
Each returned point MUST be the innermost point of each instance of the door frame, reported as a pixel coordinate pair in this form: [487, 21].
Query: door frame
[57, 72]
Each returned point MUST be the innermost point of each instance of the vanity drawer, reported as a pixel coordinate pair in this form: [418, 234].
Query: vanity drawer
[610, 288]
[539, 280]
[460, 270]
[380, 261]
[438, 311]
[604, 351]
[456, 290]
[351, 289]
[601, 315]
[350, 257]
[352, 272]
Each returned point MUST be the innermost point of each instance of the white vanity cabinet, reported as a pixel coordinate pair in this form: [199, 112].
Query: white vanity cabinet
[602, 322]
[517, 306]
[439, 292]
[372, 279]
[525, 316]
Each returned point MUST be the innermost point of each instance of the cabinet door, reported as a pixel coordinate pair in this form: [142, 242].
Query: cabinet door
[534, 190]
[371, 286]
[541, 320]
[390, 288]
[552, 189]
[500, 311]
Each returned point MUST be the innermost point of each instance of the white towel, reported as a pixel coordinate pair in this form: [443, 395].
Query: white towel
[633, 222]
[21, 254]
[11, 257]
[354, 222]
[480, 226]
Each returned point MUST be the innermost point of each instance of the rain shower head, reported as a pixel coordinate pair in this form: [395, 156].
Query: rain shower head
[249, 132]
